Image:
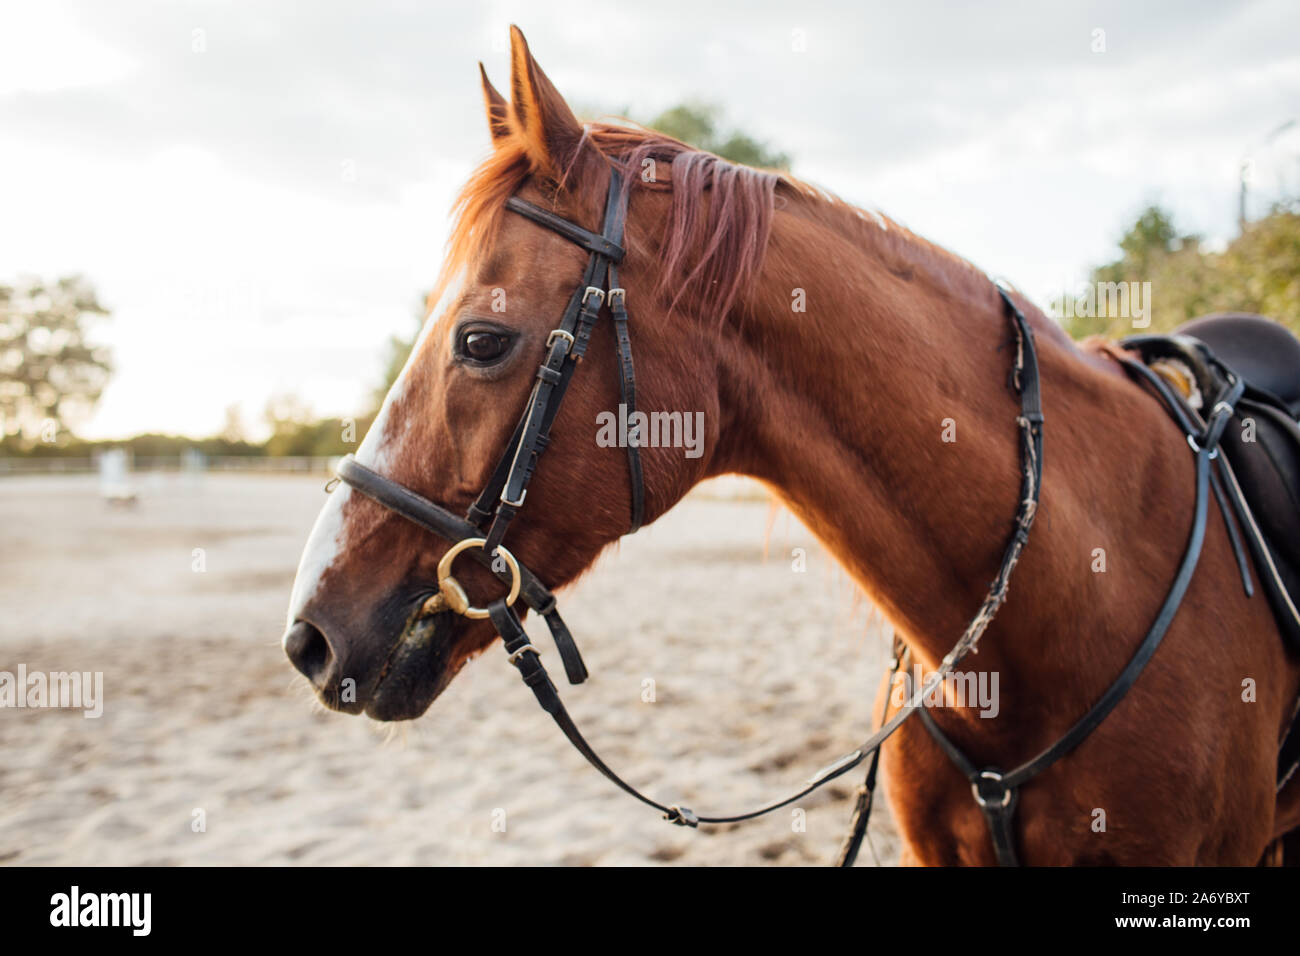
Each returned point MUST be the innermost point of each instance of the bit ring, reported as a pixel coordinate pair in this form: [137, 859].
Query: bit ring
[454, 594]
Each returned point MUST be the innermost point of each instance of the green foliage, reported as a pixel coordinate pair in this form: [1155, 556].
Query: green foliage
[697, 124]
[49, 373]
[1258, 272]
[319, 438]
[151, 445]
[296, 431]
[1265, 264]
[154, 445]
[396, 352]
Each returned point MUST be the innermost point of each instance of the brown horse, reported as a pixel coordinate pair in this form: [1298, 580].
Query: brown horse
[835, 356]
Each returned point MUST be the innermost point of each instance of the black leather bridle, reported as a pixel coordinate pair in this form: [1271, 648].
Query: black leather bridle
[481, 532]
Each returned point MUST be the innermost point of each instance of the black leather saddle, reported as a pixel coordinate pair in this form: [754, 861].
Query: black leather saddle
[1260, 350]
[1260, 480]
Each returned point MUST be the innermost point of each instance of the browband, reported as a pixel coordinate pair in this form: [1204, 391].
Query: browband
[591, 241]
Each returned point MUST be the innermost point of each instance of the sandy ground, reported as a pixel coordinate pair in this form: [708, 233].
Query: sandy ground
[761, 676]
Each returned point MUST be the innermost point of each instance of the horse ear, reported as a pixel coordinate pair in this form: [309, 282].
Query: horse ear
[498, 110]
[550, 132]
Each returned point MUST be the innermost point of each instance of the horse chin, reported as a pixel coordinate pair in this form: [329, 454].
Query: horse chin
[418, 671]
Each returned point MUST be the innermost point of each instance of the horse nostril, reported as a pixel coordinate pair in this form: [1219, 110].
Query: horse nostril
[309, 651]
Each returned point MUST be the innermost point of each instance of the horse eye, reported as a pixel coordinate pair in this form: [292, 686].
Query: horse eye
[483, 346]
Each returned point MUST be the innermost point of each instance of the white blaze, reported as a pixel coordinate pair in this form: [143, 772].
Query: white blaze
[325, 543]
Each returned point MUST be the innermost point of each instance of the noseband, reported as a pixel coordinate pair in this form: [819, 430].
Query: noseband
[480, 533]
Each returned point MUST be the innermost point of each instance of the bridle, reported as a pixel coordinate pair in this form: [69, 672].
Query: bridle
[481, 532]
[484, 525]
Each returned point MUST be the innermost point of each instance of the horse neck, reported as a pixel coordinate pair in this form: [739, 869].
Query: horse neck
[901, 346]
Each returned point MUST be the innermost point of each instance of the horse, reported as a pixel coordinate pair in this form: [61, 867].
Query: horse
[859, 372]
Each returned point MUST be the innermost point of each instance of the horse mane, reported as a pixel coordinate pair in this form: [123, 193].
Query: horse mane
[716, 235]
[710, 251]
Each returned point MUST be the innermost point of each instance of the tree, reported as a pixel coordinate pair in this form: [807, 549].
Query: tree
[1265, 265]
[697, 124]
[1151, 238]
[296, 431]
[233, 430]
[49, 372]
[1259, 271]
[396, 352]
[290, 418]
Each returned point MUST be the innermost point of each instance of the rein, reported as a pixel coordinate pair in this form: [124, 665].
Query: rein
[480, 533]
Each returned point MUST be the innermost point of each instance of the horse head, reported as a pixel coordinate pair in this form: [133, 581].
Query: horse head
[359, 623]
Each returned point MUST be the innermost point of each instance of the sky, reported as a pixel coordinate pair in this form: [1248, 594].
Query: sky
[260, 190]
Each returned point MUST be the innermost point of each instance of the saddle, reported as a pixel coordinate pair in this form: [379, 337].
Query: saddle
[1260, 479]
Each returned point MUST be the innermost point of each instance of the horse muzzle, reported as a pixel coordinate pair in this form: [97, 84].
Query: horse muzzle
[399, 686]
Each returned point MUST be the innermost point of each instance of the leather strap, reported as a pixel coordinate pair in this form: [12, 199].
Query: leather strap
[1230, 522]
[558, 362]
[996, 792]
[485, 504]
[566, 347]
[1288, 757]
[533, 673]
[1257, 545]
[616, 300]
[1115, 693]
[862, 805]
[593, 242]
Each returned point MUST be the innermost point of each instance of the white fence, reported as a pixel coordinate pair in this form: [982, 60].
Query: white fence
[724, 488]
[189, 462]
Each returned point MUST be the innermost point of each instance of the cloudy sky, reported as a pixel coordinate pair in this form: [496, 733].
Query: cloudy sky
[260, 190]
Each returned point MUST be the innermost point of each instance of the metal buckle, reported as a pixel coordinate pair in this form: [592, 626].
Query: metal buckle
[609, 296]
[682, 817]
[514, 658]
[560, 334]
[995, 777]
[1196, 448]
[453, 595]
[593, 291]
[514, 504]
[1221, 411]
